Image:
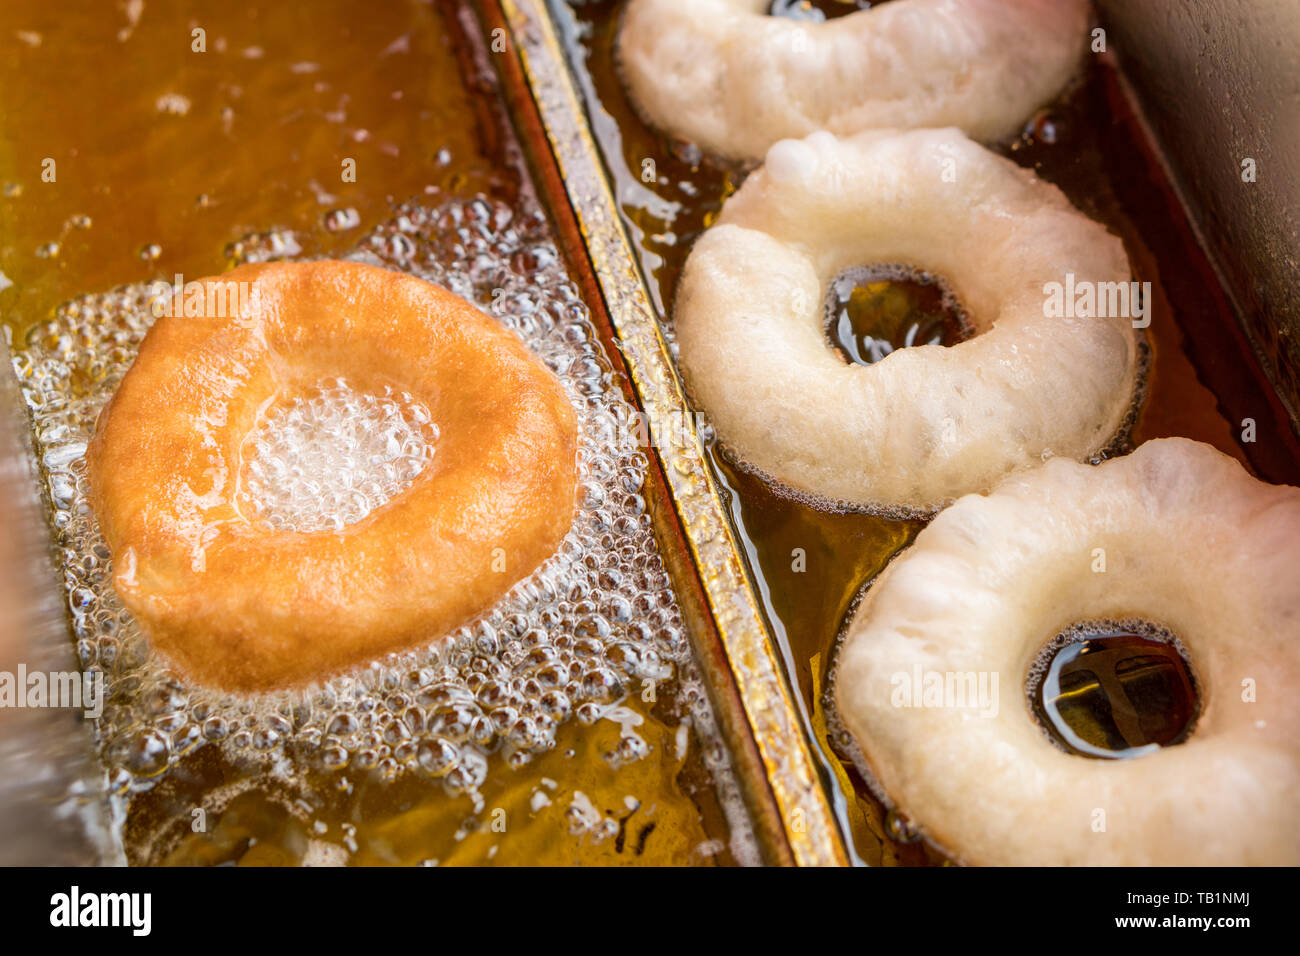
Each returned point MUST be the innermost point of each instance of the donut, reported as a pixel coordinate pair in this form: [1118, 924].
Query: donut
[1190, 544]
[734, 80]
[454, 464]
[927, 423]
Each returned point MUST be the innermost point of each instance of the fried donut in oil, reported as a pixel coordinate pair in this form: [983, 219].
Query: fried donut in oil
[929, 423]
[1187, 542]
[235, 602]
[725, 75]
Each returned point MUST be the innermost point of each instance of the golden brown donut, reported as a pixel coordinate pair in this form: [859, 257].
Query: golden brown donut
[234, 604]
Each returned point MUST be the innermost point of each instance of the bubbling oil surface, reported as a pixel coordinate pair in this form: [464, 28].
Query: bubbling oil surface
[594, 638]
[326, 459]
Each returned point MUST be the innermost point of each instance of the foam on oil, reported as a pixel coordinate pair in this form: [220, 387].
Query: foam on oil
[578, 640]
[325, 459]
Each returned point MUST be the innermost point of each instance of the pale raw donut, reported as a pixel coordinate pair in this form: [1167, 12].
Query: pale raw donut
[726, 76]
[1191, 543]
[927, 423]
[235, 604]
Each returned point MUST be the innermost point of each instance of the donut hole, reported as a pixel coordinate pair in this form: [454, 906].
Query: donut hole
[872, 311]
[327, 456]
[818, 11]
[1114, 690]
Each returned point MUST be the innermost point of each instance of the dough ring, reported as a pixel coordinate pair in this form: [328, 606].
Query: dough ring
[471, 476]
[1191, 544]
[929, 423]
[726, 76]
